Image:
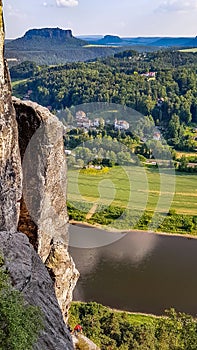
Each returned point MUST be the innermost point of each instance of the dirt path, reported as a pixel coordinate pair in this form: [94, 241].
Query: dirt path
[91, 211]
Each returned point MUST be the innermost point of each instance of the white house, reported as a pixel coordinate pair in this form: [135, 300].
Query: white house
[96, 122]
[121, 124]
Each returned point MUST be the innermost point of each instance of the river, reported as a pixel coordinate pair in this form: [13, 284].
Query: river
[138, 272]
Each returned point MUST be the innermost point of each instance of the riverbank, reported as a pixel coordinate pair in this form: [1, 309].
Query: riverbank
[139, 316]
[123, 219]
[106, 228]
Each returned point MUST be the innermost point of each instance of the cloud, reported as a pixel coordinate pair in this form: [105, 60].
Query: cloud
[67, 3]
[177, 6]
[14, 12]
[46, 4]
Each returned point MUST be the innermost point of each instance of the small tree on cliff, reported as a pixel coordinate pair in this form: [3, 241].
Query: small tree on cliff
[20, 323]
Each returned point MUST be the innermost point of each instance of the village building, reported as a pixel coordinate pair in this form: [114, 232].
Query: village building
[83, 123]
[149, 74]
[96, 122]
[157, 136]
[80, 115]
[121, 124]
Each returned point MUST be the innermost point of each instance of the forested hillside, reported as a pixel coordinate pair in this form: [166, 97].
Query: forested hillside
[53, 46]
[162, 85]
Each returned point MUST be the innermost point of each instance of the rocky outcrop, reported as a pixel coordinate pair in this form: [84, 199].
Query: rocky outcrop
[10, 164]
[85, 342]
[45, 39]
[33, 199]
[56, 33]
[43, 215]
[29, 275]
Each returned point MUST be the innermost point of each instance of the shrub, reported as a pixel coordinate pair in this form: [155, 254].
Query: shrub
[20, 323]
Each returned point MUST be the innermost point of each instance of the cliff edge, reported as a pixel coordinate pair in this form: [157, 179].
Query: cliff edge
[32, 201]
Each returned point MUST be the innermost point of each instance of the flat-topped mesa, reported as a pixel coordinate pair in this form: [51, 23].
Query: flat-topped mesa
[44, 39]
[55, 33]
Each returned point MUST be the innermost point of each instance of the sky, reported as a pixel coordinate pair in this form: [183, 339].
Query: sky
[126, 18]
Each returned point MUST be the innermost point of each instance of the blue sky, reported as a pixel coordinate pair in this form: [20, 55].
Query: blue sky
[118, 17]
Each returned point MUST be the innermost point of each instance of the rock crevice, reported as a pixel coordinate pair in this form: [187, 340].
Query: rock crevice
[43, 215]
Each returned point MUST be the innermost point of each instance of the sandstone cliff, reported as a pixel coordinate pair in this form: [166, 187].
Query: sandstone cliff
[32, 200]
[45, 39]
[43, 214]
[10, 163]
[29, 275]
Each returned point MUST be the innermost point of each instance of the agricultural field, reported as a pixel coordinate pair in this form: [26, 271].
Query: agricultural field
[135, 187]
[194, 49]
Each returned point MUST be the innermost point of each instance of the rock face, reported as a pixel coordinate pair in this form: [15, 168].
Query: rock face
[10, 164]
[29, 275]
[32, 199]
[55, 33]
[43, 215]
[45, 39]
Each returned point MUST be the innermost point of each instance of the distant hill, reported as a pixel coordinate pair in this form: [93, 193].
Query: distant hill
[57, 46]
[172, 42]
[90, 38]
[110, 40]
[45, 38]
[158, 42]
[146, 41]
[193, 42]
[52, 46]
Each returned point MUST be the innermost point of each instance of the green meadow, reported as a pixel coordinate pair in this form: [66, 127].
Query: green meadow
[135, 187]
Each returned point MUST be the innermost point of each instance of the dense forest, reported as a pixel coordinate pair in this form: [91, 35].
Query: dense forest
[162, 85]
[119, 330]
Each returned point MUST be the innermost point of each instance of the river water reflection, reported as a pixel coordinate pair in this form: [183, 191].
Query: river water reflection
[141, 272]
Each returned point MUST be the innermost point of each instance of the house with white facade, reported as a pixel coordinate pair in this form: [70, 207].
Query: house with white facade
[121, 124]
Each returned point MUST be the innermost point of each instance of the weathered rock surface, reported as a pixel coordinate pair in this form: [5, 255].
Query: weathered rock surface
[43, 215]
[29, 275]
[33, 137]
[88, 344]
[10, 163]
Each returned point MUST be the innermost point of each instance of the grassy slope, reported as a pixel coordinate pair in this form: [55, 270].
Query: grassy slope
[17, 82]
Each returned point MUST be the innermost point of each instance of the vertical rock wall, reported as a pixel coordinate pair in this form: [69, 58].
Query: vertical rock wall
[10, 163]
[29, 275]
[1, 45]
[43, 215]
[38, 208]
